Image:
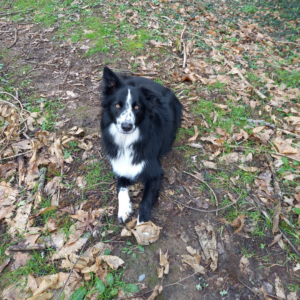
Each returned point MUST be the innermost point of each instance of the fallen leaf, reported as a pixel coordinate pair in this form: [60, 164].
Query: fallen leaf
[279, 288]
[6, 212]
[4, 264]
[276, 239]
[284, 146]
[208, 242]
[157, 290]
[43, 296]
[81, 182]
[209, 164]
[20, 260]
[244, 265]
[248, 169]
[192, 261]
[126, 232]
[20, 221]
[113, 261]
[146, 233]
[192, 139]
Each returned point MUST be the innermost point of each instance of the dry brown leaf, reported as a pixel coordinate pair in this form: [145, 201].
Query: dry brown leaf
[258, 129]
[68, 249]
[81, 182]
[146, 233]
[163, 261]
[7, 194]
[19, 223]
[113, 261]
[157, 290]
[276, 239]
[279, 288]
[248, 169]
[4, 264]
[160, 272]
[284, 146]
[15, 292]
[238, 222]
[244, 265]
[209, 164]
[20, 260]
[229, 158]
[277, 211]
[52, 186]
[97, 248]
[51, 224]
[208, 242]
[192, 261]
[7, 169]
[293, 120]
[31, 283]
[125, 232]
[131, 224]
[194, 252]
[6, 212]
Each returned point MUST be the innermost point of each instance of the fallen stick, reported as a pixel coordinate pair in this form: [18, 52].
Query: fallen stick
[262, 122]
[15, 12]
[277, 195]
[2, 92]
[15, 40]
[279, 154]
[288, 132]
[164, 286]
[7, 144]
[29, 247]
[202, 210]
[13, 156]
[258, 204]
[217, 203]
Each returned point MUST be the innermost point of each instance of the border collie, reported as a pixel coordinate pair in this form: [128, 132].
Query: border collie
[139, 122]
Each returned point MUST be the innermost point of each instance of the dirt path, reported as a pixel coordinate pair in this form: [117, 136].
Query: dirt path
[240, 90]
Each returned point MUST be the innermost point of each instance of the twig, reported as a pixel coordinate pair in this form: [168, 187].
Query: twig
[288, 132]
[244, 79]
[4, 158]
[277, 195]
[262, 122]
[164, 286]
[15, 40]
[58, 193]
[42, 64]
[66, 77]
[279, 154]
[29, 247]
[182, 32]
[264, 212]
[2, 92]
[286, 42]
[202, 210]
[62, 289]
[15, 12]
[255, 293]
[184, 55]
[217, 203]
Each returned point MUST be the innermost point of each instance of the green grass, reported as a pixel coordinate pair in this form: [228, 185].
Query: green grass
[95, 174]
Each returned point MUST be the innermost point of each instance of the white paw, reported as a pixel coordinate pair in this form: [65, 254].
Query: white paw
[138, 221]
[125, 206]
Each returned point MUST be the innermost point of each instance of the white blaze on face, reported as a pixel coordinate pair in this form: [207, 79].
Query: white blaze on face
[127, 115]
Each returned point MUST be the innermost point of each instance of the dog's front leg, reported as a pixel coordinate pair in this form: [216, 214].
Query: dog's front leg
[151, 190]
[125, 206]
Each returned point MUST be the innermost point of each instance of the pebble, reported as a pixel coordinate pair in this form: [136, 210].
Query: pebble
[142, 277]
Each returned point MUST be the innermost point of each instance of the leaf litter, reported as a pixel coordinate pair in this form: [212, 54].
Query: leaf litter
[49, 148]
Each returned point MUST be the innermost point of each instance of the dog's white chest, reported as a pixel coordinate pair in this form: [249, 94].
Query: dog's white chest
[122, 165]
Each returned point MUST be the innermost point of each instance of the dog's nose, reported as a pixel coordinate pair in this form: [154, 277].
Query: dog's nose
[126, 126]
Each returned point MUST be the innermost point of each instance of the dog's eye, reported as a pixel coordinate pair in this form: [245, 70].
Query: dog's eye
[118, 106]
[136, 107]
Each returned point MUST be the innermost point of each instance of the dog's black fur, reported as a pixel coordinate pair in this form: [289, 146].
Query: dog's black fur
[157, 114]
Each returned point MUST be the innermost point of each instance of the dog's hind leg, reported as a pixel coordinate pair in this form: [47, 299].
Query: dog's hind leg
[150, 196]
[125, 206]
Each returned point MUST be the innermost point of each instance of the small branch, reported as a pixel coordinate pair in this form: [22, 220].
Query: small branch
[58, 193]
[15, 12]
[13, 156]
[182, 32]
[262, 122]
[264, 212]
[217, 203]
[279, 154]
[164, 286]
[288, 132]
[202, 210]
[184, 55]
[15, 40]
[2, 92]
[286, 42]
[29, 247]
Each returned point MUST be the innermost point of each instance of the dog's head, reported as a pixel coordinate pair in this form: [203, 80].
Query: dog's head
[125, 103]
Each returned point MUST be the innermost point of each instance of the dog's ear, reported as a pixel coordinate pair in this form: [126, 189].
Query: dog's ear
[111, 81]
